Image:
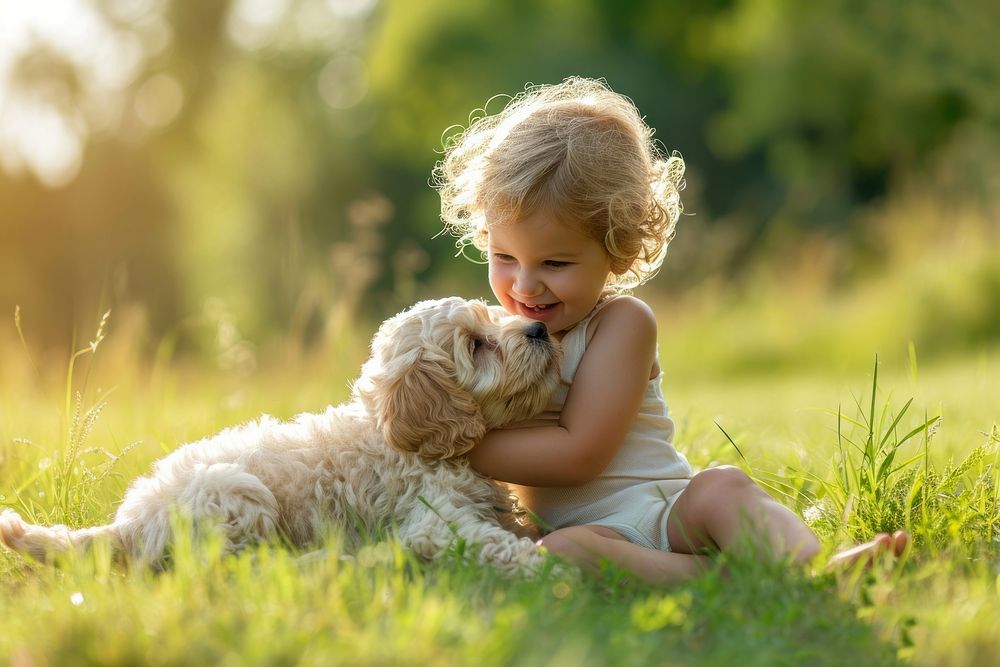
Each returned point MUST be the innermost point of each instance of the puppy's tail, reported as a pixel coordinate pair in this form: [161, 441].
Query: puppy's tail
[221, 498]
[40, 541]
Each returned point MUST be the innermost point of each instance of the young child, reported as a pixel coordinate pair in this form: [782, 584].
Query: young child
[572, 202]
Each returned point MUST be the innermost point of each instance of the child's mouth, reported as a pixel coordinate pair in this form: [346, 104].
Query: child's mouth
[538, 312]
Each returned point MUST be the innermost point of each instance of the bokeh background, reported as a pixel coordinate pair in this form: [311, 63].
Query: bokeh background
[236, 179]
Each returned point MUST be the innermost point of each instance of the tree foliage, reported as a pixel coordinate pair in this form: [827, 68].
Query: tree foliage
[278, 160]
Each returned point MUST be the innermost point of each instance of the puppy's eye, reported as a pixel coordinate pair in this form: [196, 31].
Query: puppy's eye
[476, 344]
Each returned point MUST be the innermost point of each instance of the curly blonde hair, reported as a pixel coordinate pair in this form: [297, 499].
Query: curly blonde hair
[577, 150]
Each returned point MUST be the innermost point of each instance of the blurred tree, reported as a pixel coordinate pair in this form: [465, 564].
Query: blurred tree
[842, 98]
[274, 156]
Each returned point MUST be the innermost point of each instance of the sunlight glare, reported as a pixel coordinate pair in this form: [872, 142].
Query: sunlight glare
[251, 23]
[34, 136]
[46, 135]
[351, 8]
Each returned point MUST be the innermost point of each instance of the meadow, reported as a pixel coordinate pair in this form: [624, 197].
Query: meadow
[783, 383]
[244, 184]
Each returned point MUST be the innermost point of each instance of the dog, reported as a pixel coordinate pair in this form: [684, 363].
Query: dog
[440, 375]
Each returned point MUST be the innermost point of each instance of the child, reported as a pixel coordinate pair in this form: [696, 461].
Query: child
[566, 193]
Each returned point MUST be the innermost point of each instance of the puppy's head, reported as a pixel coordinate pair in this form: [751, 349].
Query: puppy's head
[444, 372]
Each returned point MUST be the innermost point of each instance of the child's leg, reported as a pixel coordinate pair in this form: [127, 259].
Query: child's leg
[713, 513]
[722, 508]
[587, 546]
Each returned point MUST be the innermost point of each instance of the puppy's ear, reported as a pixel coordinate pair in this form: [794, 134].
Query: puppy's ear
[419, 408]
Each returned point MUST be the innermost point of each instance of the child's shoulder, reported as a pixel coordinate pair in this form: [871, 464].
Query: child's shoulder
[626, 306]
[625, 313]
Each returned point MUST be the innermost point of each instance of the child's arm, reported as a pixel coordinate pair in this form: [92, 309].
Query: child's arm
[602, 403]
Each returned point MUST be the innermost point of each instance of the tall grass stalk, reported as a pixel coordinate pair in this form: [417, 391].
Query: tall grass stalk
[885, 482]
[90, 349]
[70, 480]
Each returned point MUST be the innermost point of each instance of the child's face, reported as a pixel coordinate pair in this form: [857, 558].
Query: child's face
[545, 270]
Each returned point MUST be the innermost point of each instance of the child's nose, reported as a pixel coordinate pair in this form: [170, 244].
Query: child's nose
[527, 284]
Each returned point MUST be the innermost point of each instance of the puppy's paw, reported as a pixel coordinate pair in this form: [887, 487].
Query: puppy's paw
[12, 528]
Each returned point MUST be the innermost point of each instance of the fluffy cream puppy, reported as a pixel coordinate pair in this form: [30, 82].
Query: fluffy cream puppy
[440, 375]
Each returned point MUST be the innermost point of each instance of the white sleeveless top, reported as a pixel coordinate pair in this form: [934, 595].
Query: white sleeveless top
[634, 493]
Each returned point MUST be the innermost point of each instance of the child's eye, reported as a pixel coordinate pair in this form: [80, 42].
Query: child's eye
[500, 257]
[556, 264]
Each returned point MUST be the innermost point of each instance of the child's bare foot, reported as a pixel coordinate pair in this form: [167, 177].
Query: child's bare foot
[892, 545]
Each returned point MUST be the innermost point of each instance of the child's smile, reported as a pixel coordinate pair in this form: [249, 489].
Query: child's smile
[540, 312]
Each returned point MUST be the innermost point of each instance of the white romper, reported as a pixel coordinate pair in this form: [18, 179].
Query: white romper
[635, 492]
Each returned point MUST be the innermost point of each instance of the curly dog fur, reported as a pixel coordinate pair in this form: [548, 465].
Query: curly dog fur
[440, 375]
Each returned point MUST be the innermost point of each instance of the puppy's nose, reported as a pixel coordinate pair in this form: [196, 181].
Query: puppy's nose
[537, 331]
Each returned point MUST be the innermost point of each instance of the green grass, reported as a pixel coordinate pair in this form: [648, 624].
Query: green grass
[383, 608]
[849, 450]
